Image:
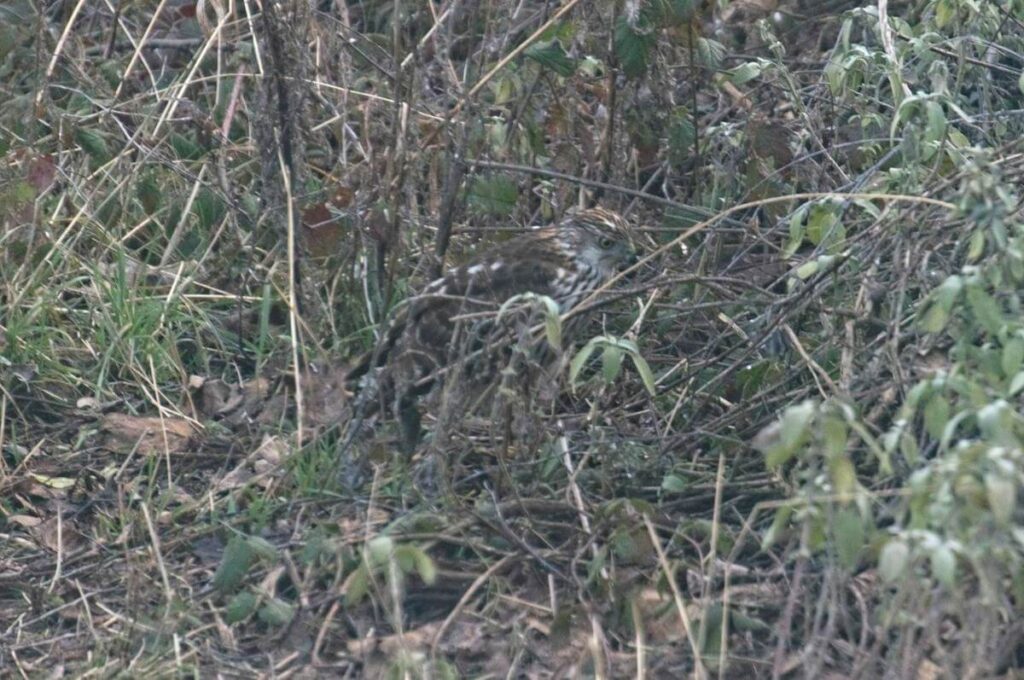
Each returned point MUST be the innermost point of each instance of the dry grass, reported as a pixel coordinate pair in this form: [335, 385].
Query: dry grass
[204, 217]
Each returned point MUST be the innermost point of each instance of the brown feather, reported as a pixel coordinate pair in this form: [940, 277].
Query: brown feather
[454, 315]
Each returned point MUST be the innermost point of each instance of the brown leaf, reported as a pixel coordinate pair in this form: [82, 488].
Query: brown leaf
[58, 535]
[748, 11]
[216, 397]
[26, 521]
[149, 435]
[390, 645]
[342, 197]
[232, 403]
[327, 397]
[769, 140]
[928, 670]
[41, 172]
[379, 227]
[322, 230]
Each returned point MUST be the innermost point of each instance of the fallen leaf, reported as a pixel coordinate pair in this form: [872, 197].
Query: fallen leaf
[148, 435]
[54, 482]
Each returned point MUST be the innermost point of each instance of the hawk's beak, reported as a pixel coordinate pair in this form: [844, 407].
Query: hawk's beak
[628, 261]
[631, 259]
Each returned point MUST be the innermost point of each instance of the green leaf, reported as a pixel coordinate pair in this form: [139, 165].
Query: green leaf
[624, 544]
[626, 344]
[240, 607]
[425, 567]
[792, 433]
[1002, 496]
[504, 90]
[8, 41]
[950, 430]
[681, 135]
[673, 484]
[276, 612]
[93, 144]
[746, 72]
[646, 376]
[868, 207]
[613, 350]
[945, 13]
[552, 56]
[797, 229]
[632, 47]
[712, 623]
[893, 560]
[844, 476]
[936, 415]
[943, 299]
[496, 195]
[1013, 356]
[779, 524]
[318, 548]
[185, 148]
[149, 193]
[752, 376]
[611, 363]
[580, 360]
[934, 319]
[19, 195]
[824, 227]
[835, 433]
[935, 127]
[262, 548]
[671, 12]
[985, 309]
[405, 555]
[807, 270]
[209, 208]
[976, 246]
[710, 53]
[909, 447]
[835, 238]
[496, 132]
[553, 330]
[236, 561]
[744, 623]
[812, 267]
[996, 420]
[109, 210]
[948, 291]
[250, 206]
[943, 563]
[849, 531]
[357, 585]
[380, 549]
[111, 72]
[835, 75]
[1017, 384]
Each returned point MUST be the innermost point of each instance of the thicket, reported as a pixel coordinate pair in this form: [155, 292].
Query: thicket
[205, 206]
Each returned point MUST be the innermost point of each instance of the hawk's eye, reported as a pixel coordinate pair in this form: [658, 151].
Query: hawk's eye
[606, 243]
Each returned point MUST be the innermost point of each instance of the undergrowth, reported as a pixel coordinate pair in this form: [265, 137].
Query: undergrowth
[789, 446]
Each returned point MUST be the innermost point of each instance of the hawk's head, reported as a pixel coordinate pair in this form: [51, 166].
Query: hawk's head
[597, 239]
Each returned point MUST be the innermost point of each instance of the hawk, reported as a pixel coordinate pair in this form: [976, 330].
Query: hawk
[455, 317]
